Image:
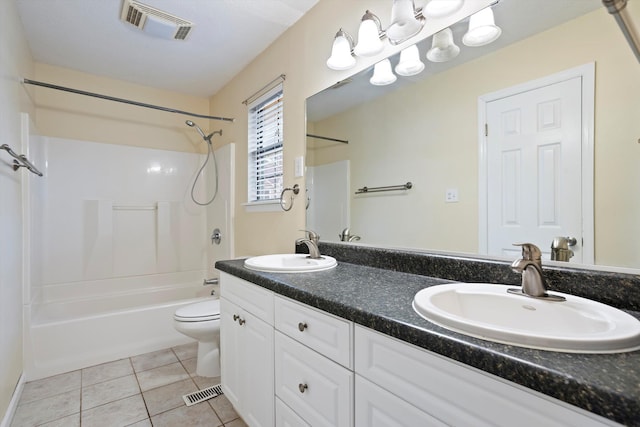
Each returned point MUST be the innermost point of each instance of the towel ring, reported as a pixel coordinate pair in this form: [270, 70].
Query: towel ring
[295, 190]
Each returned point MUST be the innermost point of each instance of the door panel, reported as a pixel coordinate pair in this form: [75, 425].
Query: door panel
[534, 168]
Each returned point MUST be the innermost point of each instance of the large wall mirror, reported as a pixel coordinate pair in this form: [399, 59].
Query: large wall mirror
[425, 130]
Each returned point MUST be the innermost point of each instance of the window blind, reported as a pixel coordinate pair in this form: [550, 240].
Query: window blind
[266, 146]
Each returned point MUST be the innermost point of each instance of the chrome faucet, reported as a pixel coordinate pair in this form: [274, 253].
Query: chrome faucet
[530, 267]
[346, 236]
[560, 248]
[312, 243]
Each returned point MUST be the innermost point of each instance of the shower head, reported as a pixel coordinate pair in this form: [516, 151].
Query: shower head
[205, 137]
[193, 125]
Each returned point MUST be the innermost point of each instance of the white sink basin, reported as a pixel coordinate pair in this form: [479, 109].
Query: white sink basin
[487, 311]
[289, 263]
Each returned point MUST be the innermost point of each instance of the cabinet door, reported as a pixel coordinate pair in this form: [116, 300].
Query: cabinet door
[230, 346]
[246, 345]
[257, 371]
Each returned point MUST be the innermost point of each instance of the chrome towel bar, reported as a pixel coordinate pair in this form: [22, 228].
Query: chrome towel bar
[20, 161]
[401, 187]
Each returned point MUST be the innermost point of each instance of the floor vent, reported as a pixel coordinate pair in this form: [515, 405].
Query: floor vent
[202, 395]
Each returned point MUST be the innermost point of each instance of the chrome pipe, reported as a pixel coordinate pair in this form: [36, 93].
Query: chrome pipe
[618, 8]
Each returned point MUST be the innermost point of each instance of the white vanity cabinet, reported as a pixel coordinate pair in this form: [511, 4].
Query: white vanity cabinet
[287, 364]
[430, 390]
[247, 352]
[312, 364]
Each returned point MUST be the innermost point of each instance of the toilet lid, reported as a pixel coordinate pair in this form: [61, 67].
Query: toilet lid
[199, 312]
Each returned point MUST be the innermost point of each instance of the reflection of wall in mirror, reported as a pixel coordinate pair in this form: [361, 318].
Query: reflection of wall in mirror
[432, 141]
[328, 199]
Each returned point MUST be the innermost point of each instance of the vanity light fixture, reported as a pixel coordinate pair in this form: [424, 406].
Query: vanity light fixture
[482, 29]
[369, 36]
[405, 23]
[382, 74]
[341, 57]
[410, 63]
[443, 48]
[441, 8]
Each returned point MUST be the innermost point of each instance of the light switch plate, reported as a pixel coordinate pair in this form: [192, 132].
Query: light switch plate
[451, 195]
[299, 167]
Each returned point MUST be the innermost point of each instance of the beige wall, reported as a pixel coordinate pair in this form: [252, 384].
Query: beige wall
[435, 137]
[15, 63]
[68, 115]
[301, 54]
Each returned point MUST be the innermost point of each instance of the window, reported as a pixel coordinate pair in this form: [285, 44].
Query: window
[265, 146]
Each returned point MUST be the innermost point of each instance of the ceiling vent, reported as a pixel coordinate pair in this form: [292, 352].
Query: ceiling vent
[155, 22]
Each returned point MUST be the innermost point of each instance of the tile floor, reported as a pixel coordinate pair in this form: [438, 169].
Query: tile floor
[144, 390]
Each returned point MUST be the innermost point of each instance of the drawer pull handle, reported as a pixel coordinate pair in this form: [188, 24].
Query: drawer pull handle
[302, 387]
[235, 317]
[241, 321]
[302, 326]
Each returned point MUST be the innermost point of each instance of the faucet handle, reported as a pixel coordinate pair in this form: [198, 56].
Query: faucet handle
[312, 235]
[530, 252]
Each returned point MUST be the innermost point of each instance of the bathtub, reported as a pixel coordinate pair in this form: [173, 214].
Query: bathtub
[75, 325]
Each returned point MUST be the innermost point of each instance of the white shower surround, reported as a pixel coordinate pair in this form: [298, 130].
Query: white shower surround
[117, 245]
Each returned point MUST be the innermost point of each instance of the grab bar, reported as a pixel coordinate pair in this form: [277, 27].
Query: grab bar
[21, 161]
[406, 186]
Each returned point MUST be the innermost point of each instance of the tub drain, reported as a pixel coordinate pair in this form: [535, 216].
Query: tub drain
[202, 395]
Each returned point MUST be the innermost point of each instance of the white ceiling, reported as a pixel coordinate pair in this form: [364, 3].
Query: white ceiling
[88, 36]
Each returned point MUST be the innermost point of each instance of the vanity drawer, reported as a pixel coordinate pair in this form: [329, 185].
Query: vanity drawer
[455, 393]
[377, 407]
[317, 389]
[285, 417]
[256, 300]
[329, 335]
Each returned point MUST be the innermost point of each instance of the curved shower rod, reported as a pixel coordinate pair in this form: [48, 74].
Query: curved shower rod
[125, 101]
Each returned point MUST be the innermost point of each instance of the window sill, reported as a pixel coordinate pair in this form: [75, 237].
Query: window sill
[266, 206]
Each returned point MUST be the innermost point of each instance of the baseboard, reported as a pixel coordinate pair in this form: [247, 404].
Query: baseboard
[13, 405]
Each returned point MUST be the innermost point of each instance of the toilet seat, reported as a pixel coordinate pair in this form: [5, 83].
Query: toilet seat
[199, 312]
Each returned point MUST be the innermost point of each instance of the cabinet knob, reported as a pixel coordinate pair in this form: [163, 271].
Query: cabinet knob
[302, 326]
[302, 387]
[240, 320]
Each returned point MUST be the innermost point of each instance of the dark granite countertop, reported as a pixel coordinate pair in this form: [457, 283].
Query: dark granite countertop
[380, 299]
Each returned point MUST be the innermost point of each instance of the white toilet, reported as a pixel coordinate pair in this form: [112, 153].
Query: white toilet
[201, 321]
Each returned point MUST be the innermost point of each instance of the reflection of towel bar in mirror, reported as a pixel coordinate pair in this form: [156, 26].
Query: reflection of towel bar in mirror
[326, 138]
[401, 187]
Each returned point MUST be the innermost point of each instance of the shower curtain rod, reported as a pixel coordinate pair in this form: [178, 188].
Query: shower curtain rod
[125, 101]
[281, 78]
[326, 138]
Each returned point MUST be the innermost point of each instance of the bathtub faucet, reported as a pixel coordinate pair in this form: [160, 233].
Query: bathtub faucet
[212, 281]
